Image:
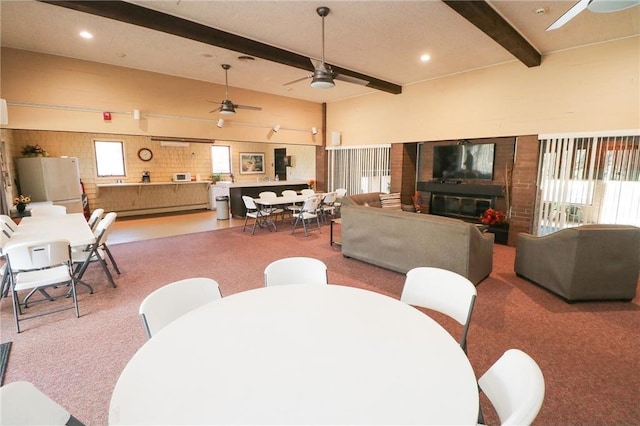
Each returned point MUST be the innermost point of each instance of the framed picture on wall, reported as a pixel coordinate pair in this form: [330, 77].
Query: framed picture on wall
[251, 162]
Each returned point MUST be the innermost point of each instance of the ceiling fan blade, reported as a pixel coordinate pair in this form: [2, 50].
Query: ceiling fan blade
[298, 80]
[570, 14]
[349, 79]
[254, 108]
[214, 110]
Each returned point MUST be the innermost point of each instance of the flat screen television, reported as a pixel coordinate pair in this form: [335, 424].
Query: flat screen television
[470, 161]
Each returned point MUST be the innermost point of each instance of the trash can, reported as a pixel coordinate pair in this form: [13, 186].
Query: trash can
[222, 207]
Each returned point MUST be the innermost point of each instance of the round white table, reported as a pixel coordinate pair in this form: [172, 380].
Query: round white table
[298, 354]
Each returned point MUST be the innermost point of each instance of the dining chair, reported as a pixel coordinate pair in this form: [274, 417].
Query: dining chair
[173, 300]
[50, 210]
[22, 404]
[291, 208]
[95, 217]
[4, 269]
[96, 252]
[307, 213]
[38, 266]
[327, 205]
[272, 210]
[444, 291]
[295, 270]
[340, 194]
[260, 217]
[307, 192]
[515, 386]
[8, 226]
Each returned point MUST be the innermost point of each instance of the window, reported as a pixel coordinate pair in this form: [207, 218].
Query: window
[220, 159]
[360, 169]
[109, 158]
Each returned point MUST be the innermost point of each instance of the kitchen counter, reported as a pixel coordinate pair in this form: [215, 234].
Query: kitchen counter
[140, 185]
[263, 183]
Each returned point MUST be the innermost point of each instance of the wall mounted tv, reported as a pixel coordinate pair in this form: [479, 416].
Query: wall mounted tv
[463, 161]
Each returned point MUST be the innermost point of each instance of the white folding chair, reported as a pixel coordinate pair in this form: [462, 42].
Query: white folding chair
[4, 269]
[295, 270]
[8, 226]
[327, 205]
[173, 300]
[307, 213]
[444, 291]
[515, 386]
[37, 266]
[260, 217]
[272, 210]
[50, 210]
[21, 403]
[307, 192]
[340, 192]
[292, 208]
[96, 252]
[95, 218]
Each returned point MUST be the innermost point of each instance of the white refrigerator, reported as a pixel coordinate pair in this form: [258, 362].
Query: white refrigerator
[55, 179]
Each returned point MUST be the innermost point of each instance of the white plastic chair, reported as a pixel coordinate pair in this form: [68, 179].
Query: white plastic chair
[173, 300]
[307, 192]
[96, 252]
[95, 218]
[307, 213]
[8, 225]
[295, 270]
[24, 404]
[37, 266]
[50, 210]
[340, 193]
[259, 216]
[444, 291]
[292, 208]
[4, 270]
[515, 386]
[327, 205]
[272, 210]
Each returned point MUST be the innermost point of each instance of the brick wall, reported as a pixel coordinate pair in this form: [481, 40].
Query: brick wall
[523, 192]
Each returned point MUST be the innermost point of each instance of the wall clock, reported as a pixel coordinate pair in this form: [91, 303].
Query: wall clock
[145, 154]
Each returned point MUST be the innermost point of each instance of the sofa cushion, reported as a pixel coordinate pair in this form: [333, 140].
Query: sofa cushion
[390, 201]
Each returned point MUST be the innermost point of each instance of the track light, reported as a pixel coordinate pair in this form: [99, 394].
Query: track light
[464, 142]
[314, 130]
[276, 128]
[220, 123]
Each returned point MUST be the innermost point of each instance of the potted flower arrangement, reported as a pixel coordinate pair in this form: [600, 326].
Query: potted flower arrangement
[312, 184]
[498, 224]
[21, 202]
[34, 151]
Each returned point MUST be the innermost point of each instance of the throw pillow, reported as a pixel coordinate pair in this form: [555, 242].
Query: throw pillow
[390, 201]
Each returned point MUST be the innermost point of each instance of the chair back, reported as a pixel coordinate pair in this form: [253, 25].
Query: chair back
[329, 198]
[295, 270]
[8, 225]
[173, 300]
[24, 404]
[441, 290]
[515, 386]
[341, 192]
[104, 228]
[249, 203]
[50, 210]
[289, 193]
[307, 192]
[311, 204]
[268, 194]
[38, 254]
[95, 218]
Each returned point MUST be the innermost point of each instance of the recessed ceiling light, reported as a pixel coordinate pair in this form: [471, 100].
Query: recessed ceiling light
[425, 57]
[86, 34]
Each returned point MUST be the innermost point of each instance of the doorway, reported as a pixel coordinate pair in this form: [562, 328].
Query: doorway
[280, 164]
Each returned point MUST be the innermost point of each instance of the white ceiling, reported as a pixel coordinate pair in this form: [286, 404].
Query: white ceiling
[383, 39]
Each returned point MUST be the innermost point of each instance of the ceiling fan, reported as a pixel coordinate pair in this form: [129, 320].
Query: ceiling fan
[598, 6]
[227, 107]
[323, 75]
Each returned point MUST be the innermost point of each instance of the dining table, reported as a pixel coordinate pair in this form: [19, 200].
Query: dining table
[298, 354]
[72, 227]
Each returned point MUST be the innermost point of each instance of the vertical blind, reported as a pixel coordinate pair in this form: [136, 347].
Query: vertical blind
[360, 169]
[594, 179]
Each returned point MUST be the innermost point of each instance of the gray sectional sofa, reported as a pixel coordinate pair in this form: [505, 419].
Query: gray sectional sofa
[401, 240]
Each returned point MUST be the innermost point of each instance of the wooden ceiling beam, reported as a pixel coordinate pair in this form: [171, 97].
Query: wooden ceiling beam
[483, 16]
[152, 19]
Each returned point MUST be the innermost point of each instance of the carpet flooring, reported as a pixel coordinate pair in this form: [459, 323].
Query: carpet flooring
[588, 352]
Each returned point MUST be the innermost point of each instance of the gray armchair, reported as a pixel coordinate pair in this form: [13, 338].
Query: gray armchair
[590, 262]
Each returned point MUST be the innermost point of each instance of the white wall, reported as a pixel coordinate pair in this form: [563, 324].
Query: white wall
[592, 88]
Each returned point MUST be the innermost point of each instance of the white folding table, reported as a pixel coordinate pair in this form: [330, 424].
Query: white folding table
[72, 227]
[298, 354]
